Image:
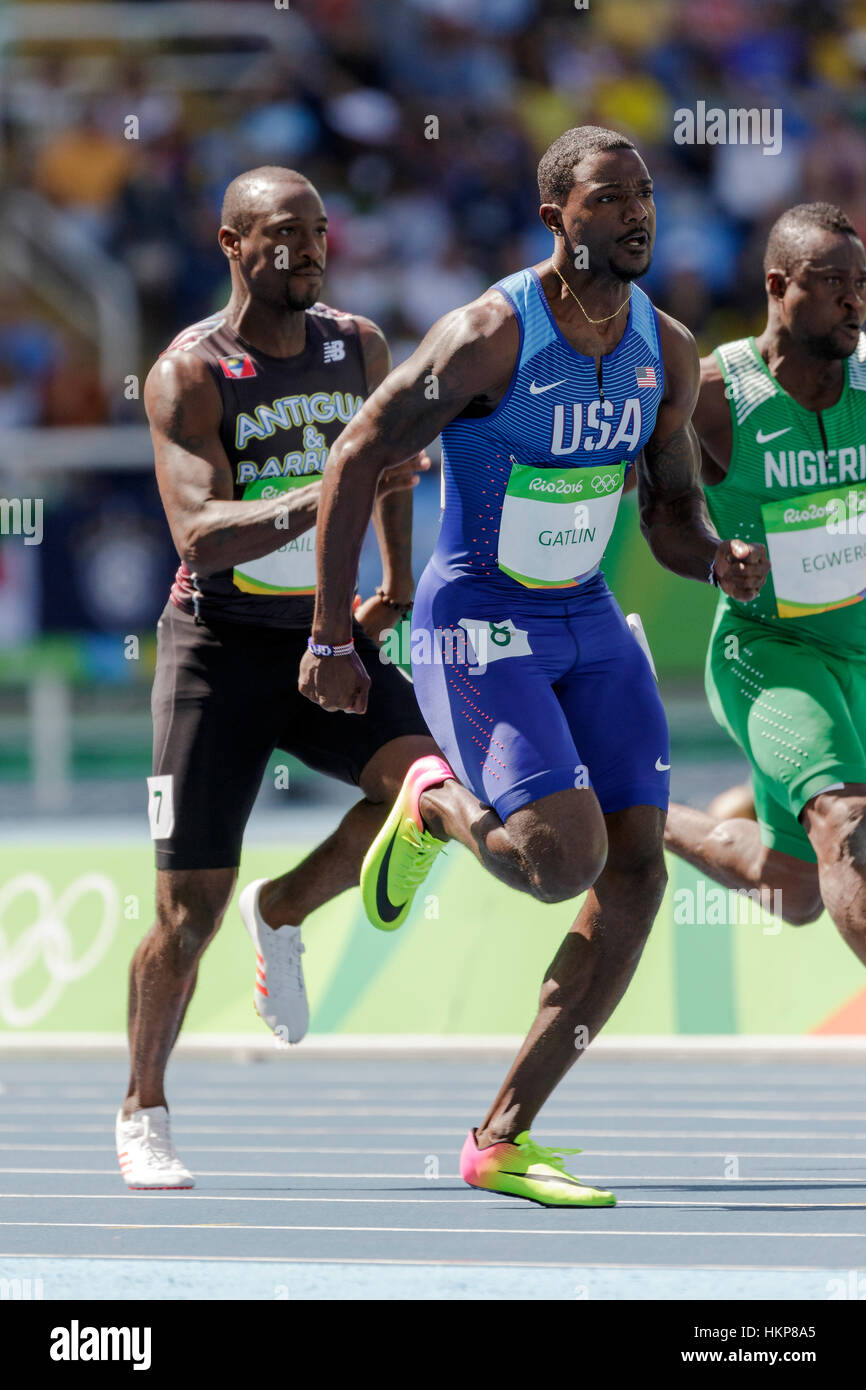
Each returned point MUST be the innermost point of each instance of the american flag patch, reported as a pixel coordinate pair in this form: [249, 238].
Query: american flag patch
[646, 376]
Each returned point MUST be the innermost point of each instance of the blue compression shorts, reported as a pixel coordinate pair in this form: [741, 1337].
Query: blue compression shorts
[524, 705]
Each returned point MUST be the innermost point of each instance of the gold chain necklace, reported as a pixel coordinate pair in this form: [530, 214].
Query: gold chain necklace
[607, 317]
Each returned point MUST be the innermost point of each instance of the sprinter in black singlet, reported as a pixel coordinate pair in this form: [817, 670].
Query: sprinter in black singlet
[243, 408]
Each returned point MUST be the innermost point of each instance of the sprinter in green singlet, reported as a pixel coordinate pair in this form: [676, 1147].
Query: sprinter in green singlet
[782, 424]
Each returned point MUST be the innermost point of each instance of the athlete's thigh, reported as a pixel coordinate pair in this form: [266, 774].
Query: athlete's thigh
[566, 825]
[215, 713]
[343, 745]
[789, 708]
[493, 711]
[613, 708]
[780, 829]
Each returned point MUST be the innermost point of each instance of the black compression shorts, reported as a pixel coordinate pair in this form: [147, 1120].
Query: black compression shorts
[224, 697]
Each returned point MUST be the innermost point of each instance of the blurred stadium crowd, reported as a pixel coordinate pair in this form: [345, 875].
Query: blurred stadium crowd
[109, 247]
[344, 89]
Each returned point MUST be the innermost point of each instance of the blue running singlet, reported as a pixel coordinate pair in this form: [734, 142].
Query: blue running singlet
[532, 489]
[524, 667]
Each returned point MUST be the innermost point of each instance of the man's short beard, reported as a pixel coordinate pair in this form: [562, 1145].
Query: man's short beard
[627, 276]
[826, 350]
[298, 303]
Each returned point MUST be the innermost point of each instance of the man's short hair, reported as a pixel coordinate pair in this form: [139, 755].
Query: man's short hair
[556, 167]
[786, 244]
[238, 210]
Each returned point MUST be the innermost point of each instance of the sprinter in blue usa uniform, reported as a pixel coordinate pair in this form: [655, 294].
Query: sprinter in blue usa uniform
[547, 391]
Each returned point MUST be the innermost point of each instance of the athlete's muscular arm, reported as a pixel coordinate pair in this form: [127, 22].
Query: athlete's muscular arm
[673, 513]
[712, 423]
[210, 530]
[468, 355]
[392, 511]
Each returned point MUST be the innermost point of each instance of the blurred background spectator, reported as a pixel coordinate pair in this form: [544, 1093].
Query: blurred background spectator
[421, 122]
[345, 90]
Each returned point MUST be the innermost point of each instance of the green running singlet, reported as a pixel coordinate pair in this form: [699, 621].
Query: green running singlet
[786, 673]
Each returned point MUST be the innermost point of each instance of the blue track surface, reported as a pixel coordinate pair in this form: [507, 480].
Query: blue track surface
[338, 1179]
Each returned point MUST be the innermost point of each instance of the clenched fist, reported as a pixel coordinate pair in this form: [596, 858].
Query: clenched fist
[741, 569]
[335, 682]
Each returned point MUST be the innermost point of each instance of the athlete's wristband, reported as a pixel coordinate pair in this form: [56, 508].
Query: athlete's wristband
[321, 649]
[712, 577]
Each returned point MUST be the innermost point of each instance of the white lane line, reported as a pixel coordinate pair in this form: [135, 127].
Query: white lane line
[455, 1134]
[795, 1180]
[469, 1048]
[394, 1111]
[78, 1075]
[405, 1260]
[677, 1153]
[108, 1094]
[252, 1147]
[428, 1200]
[426, 1230]
[369, 1150]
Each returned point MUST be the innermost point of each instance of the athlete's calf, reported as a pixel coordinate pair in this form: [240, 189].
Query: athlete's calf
[731, 852]
[190, 905]
[836, 825]
[590, 972]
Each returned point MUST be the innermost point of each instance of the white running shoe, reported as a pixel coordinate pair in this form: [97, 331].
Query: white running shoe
[280, 998]
[145, 1151]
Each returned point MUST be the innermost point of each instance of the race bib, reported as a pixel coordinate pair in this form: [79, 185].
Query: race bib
[160, 805]
[556, 522]
[292, 568]
[817, 548]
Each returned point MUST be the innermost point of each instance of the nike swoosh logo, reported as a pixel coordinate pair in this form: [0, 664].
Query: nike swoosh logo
[761, 438]
[384, 906]
[539, 390]
[662, 767]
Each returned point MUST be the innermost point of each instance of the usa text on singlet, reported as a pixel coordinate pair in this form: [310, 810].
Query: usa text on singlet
[532, 488]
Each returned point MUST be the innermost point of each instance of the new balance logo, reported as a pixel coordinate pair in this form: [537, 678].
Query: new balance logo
[335, 350]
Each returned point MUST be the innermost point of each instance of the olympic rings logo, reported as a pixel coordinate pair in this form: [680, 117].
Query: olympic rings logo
[48, 941]
[605, 482]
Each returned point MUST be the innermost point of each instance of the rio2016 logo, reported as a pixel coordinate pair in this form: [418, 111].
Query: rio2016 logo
[47, 940]
[557, 485]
